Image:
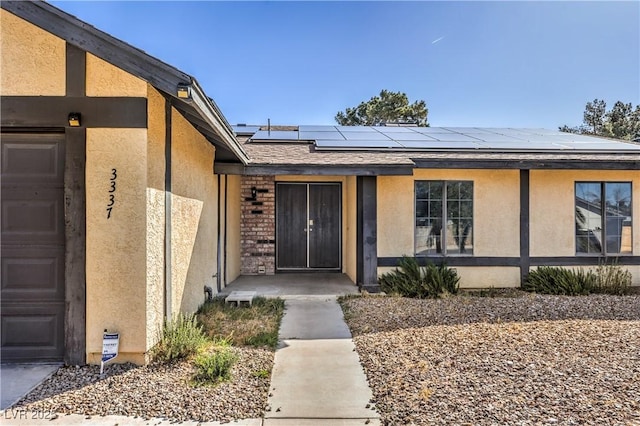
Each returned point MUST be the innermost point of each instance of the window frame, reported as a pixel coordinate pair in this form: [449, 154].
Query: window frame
[603, 217]
[443, 217]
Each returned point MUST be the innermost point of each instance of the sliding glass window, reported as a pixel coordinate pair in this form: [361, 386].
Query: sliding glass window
[603, 218]
[444, 218]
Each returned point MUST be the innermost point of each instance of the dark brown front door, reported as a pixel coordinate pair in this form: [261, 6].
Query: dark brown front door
[308, 226]
[32, 247]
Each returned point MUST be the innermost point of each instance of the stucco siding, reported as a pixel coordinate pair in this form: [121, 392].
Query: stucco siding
[104, 79]
[194, 216]
[233, 227]
[33, 60]
[552, 208]
[116, 245]
[155, 215]
[496, 211]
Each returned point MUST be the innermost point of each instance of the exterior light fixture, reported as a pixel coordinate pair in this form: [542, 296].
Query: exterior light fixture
[184, 91]
[74, 119]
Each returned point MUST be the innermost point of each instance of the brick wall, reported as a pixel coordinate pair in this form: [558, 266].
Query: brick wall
[258, 225]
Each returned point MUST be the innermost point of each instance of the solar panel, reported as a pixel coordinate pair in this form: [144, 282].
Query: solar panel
[439, 145]
[453, 137]
[396, 129]
[285, 135]
[245, 130]
[413, 136]
[317, 128]
[329, 137]
[357, 144]
[314, 135]
[361, 136]
[359, 129]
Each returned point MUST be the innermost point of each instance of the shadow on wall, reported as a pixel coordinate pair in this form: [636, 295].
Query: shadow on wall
[194, 245]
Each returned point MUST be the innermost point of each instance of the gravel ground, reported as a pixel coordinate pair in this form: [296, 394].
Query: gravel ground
[156, 391]
[529, 360]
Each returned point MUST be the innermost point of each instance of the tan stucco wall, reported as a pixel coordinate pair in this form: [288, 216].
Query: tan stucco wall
[351, 221]
[155, 265]
[481, 276]
[193, 216]
[233, 227]
[552, 208]
[33, 60]
[116, 247]
[104, 79]
[496, 211]
[342, 180]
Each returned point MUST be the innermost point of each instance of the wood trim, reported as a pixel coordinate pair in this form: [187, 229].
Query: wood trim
[312, 169]
[76, 71]
[167, 211]
[584, 260]
[524, 225]
[513, 261]
[455, 261]
[367, 244]
[622, 163]
[53, 111]
[75, 246]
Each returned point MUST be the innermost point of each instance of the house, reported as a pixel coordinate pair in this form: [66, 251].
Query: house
[125, 194]
[493, 203]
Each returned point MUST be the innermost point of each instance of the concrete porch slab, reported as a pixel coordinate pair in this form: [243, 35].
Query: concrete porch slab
[19, 379]
[294, 286]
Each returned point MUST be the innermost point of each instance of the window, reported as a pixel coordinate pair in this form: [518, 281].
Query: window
[603, 217]
[449, 203]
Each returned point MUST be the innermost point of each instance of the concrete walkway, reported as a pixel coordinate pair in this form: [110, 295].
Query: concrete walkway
[317, 377]
[17, 380]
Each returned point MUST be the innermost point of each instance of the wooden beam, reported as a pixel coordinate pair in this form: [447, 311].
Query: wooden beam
[622, 163]
[367, 233]
[53, 111]
[312, 169]
[455, 261]
[76, 71]
[524, 225]
[584, 260]
[75, 246]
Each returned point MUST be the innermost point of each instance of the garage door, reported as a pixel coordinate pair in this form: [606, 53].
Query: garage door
[32, 247]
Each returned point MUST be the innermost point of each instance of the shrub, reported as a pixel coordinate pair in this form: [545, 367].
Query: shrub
[412, 280]
[215, 367]
[606, 278]
[181, 337]
[559, 281]
[612, 279]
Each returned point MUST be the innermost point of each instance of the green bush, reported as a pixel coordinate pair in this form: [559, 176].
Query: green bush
[607, 279]
[181, 337]
[559, 281]
[612, 279]
[412, 280]
[215, 367]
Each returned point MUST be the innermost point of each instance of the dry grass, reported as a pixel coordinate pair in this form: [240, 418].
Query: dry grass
[255, 325]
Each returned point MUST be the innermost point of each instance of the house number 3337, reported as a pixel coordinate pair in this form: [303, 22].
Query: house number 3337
[112, 192]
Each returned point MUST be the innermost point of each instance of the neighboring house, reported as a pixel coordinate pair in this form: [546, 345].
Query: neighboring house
[125, 192]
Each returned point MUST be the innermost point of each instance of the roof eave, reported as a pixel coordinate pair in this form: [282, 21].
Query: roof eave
[155, 72]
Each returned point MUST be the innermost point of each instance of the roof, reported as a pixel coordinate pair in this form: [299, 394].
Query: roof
[301, 150]
[200, 110]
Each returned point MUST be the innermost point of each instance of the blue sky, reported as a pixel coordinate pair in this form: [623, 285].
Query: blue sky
[487, 64]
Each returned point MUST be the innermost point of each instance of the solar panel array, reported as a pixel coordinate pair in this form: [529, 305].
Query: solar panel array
[384, 138]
